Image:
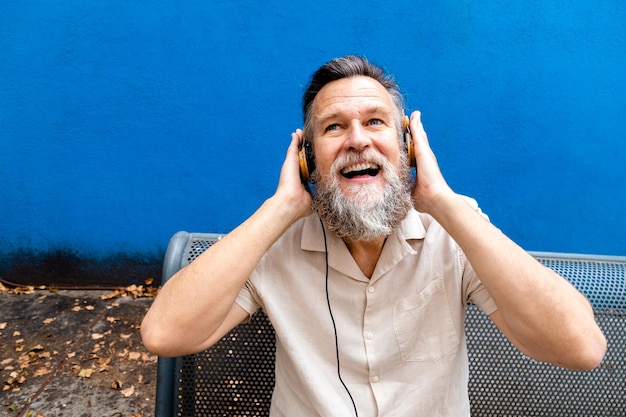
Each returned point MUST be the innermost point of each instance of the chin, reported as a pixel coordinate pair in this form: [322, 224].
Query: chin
[364, 192]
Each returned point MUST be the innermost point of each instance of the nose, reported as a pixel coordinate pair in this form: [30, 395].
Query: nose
[358, 139]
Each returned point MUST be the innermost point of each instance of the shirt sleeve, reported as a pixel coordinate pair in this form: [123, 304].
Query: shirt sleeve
[484, 301]
[246, 300]
[474, 290]
[248, 297]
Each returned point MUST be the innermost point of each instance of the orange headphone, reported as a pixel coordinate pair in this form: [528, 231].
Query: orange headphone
[307, 158]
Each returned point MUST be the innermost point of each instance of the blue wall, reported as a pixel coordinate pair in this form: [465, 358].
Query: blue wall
[123, 122]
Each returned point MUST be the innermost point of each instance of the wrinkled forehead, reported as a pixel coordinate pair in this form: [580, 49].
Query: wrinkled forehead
[351, 94]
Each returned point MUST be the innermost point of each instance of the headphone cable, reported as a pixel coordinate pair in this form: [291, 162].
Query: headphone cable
[330, 311]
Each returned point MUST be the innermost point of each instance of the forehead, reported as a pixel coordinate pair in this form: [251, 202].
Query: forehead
[350, 95]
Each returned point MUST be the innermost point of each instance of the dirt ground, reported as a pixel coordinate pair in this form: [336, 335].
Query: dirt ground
[75, 353]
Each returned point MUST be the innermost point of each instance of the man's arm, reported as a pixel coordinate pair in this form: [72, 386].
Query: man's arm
[196, 307]
[538, 310]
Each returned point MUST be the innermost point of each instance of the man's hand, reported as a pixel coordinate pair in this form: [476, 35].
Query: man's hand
[430, 186]
[290, 189]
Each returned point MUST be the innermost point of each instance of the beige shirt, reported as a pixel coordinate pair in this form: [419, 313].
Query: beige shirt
[401, 340]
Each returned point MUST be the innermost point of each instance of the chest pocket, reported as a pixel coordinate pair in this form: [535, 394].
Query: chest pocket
[423, 325]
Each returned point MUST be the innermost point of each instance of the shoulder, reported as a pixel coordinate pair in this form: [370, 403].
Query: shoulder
[305, 234]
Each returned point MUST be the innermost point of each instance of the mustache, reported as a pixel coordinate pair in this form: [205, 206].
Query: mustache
[357, 157]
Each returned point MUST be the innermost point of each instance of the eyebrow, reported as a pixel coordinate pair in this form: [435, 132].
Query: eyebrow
[370, 110]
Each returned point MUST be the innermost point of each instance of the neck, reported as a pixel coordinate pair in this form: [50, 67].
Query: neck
[366, 254]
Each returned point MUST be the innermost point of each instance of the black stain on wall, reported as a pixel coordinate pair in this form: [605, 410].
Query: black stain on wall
[66, 268]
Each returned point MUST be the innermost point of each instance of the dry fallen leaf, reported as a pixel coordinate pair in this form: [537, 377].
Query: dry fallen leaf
[96, 336]
[117, 384]
[15, 378]
[113, 294]
[29, 289]
[135, 291]
[85, 373]
[24, 360]
[128, 391]
[103, 364]
[104, 361]
[49, 320]
[41, 372]
[133, 356]
[3, 325]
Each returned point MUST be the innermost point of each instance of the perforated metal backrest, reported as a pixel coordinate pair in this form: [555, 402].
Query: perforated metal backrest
[236, 376]
[504, 382]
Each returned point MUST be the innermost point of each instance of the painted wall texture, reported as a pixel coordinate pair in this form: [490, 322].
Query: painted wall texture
[123, 122]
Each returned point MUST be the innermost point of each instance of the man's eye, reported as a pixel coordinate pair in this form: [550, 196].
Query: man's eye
[334, 126]
[375, 122]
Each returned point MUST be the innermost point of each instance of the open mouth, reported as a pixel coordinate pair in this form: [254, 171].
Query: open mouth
[366, 168]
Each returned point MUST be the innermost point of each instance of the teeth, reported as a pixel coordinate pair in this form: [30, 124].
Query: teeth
[359, 167]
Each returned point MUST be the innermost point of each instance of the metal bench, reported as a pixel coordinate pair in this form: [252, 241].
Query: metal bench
[235, 377]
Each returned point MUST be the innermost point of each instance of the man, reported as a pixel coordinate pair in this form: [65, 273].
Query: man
[366, 281]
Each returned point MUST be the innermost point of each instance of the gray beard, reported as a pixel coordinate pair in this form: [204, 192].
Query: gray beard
[366, 213]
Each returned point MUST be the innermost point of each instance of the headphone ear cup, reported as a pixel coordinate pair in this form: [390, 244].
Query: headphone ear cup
[307, 161]
[410, 150]
[408, 142]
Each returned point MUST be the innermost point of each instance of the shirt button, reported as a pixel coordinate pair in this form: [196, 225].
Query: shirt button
[369, 335]
[375, 378]
[371, 289]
